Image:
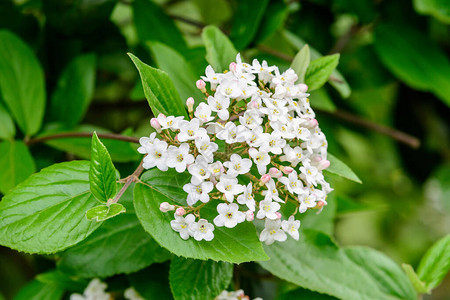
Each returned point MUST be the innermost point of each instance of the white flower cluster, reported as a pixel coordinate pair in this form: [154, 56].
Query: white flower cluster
[254, 121]
[236, 295]
[94, 291]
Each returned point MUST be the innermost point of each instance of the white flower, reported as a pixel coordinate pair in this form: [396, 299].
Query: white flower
[229, 88]
[238, 165]
[250, 120]
[190, 130]
[202, 230]
[292, 183]
[306, 201]
[198, 192]
[272, 232]
[268, 209]
[146, 143]
[216, 169]
[157, 156]
[182, 225]
[260, 158]
[206, 147]
[247, 197]
[272, 192]
[179, 157]
[309, 173]
[212, 77]
[229, 215]
[291, 227]
[229, 187]
[256, 137]
[274, 143]
[169, 122]
[131, 294]
[199, 170]
[294, 156]
[232, 133]
[94, 291]
[203, 112]
[219, 104]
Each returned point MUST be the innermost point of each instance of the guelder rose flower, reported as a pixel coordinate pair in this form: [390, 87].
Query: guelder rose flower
[229, 187]
[179, 157]
[291, 227]
[229, 215]
[272, 232]
[202, 230]
[181, 224]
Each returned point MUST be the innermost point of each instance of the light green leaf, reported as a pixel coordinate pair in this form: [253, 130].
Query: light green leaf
[246, 21]
[440, 9]
[21, 82]
[339, 168]
[214, 14]
[435, 264]
[179, 70]
[16, 164]
[7, 128]
[124, 238]
[236, 245]
[36, 290]
[198, 279]
[74, 90]
[301, 62]
[220, 52]
[418, 285]
[414, 59]
[46, 213]
[319, 71]
[63, 281]
[159, 90]
[316, 263]
[102, 175]
[104, 212]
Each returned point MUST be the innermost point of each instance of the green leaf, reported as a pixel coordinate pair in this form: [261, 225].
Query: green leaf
[274, 18]
[418, 285]
[46, 212]
[246, 21]
[16, 164]
[152, 24]
[74, 90]
[102, 177]
[316, 263]
[104, 212]
[304, 294]
[319, 71]
[118, 246]
[435, 264]
[63, 281]
[36, 290]
[214, 14]
[21, 82]
[220, 52]
[414, 58]
[152, 283]
[179, 70]
[198, 279]
[339, 168]
[159, 90]
[7, 128]
[439, 9]
[321, 99]
[301, 62]
[236, 245]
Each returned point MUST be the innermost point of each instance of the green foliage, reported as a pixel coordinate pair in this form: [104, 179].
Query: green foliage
[159, 90]
[37, 290]
[21, 82]
[236, 245]
[7, 128]
[104, 212]
[418, 284]
[319, 71]
[220, 52]
[102, 179]
[45, 213]
[301, 62]
[436, 8]
[339, 168]
[304, 294]
[62, 280]
[198, 279]
[16, 162]
[152, 283]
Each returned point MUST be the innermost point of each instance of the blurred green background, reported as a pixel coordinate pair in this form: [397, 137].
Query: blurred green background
[394, 58]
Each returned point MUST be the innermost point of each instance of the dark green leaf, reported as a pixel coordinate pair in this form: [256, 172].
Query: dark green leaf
[435, 264]
[7, 128]
[46, 213]
[21, 82]
[74, 91]
[321, 99]
[198, 279]
[440, 9]
[319, 71]
[339, 168]
[274, 17]
[304, 294]
[104, 212]
[301, 62]
[63, 281]
[159, 90]
[152, 283]
[102, 176]
[16, 164]
[37, 290]
[220, 52]
[214, 14]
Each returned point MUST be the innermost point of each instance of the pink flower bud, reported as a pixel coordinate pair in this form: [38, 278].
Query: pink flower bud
[155, 124]
[161, 115]
[180, 211]
[249, 215]
[190, 104]
[303, 87]
[165, 207]
[287, 170]
[253, 104]
[312, 124]
[323, 164]
[278, 215]
[201, 85]
[275, 173]
[265, 178]
[316, 159]
[320, 204]
[233, 67]
[176, 138]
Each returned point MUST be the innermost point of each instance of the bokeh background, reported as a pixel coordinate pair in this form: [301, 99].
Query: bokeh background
[394, 72]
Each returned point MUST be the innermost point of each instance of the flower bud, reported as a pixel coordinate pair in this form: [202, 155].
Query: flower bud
[323, 164]
[233, 67]
[201, 85]
[320, 204]
[249, 215]
[312, 124]
[316, 159]
[176, 138]
[180, 211]
[275, 173]
[190, 104]
[253, 104]
[165, 207]
[303, 87]
[155, 124]
[287, 170]
[265, 179]
[278, 215]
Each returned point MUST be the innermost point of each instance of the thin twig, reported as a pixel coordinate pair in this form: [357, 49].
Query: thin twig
[130, 179]
[188, 21]
[63, 135]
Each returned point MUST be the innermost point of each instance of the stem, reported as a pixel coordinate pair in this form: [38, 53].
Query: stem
[63, 135]
[130, 179]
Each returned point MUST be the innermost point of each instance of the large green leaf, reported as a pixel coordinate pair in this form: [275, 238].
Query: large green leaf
[45, 213]
[16, 164]
[7, 128]
[102, 174]
[246, 21]
[274, 18]
[214, 14]
[152, 283]
[440, 9]
[339, 168]
[21, 82]
[414, 58]
[316, 263]
[220, 52]
[301, 62]
[236, 245]
[74, 91]
[36, 290]
[198, 279]
[63, 280]
[435, 264]
[119, 246]
[319, 71]
[179, 70]
[300, 293]
[159, 90]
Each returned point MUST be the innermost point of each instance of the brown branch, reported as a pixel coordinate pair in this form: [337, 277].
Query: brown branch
[63, 135]
[130, 179]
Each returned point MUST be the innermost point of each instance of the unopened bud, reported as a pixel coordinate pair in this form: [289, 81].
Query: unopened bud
[323, 164]
[312, 124]
[233, 67]
[180, 211]
[320, 204]
[253, 104]
[278, 215]
[265, 179]
[303, 87]
[155, 124]
[190, 104]
[160, 115]
[165, 207]
[287, 170]
[275, 173]
[201, 85]
[249, 215]
[316, 159]
[176, 138]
